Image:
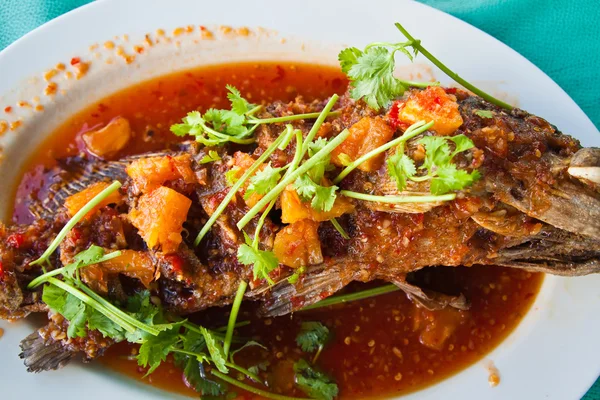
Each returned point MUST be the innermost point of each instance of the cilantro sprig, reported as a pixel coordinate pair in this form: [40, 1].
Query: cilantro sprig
[371, 72]
[314, 382]
[217, 127]
[441, 171]
[313, 336]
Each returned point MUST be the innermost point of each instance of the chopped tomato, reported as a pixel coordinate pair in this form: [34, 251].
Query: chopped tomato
[430, 104]
[298, 244]
[159, 217]
[366, 135]
[152, 172]
[77, 201]
[294, 209]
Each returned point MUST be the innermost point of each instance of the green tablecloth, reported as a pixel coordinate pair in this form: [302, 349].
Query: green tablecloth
[561, 37]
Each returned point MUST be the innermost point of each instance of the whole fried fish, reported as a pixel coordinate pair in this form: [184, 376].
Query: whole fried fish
[536, 207]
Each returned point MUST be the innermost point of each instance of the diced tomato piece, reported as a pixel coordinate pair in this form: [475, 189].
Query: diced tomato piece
[1, 271]
[298, 244]
[152, 172]
[430, 104]
[293, 209]
[366, 135]
[159, 217]
[77, 201]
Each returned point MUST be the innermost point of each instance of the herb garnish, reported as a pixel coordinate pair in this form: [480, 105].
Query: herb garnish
[313, 336]
[210, 157]
[313, 382]
[237, 125]
[371, 72]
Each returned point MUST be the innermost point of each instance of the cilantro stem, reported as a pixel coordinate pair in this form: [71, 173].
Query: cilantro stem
[419, 84]
[317, 354]
[288, 136]
[194, 328]
[294, 117]
[339, 228]
[317, 125]
[347, 298]
[43, 278]
[416, 44]
[412, 131]
[237, 325]
[398, 199]
[75, 219]
[420, 178]
[252, 389]
[225, 136]
[118, 312]
[324, 152]
[246, 372]
[235, 309]
[117, 319]
[234, 189]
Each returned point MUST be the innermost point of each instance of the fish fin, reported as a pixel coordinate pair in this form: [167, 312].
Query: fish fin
[43, 355]
[315, 285]
[429, 299]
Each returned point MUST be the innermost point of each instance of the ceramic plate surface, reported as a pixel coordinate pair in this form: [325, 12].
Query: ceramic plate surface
[553, 354]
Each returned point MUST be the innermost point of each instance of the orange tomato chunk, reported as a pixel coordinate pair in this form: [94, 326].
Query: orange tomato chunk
[159, 218]
[298, 244]
[110, 139]
[293, 209]
[430, 104]
[150, 173]
[131, 263]
[365, 135]
[241, 162]
[76, 202]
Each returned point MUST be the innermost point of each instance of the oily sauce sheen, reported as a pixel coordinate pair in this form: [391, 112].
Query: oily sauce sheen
[383, 346]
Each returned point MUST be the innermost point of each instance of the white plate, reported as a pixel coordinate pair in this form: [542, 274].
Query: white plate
[553, 354]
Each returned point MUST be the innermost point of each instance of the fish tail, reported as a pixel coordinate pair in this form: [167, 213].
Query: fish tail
[43, 355]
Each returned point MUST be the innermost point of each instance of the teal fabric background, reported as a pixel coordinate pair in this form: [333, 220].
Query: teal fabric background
[562, 37]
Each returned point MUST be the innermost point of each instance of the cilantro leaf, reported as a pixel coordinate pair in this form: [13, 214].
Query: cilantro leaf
[98, 321]
[231, 176]
[448, 178]
[194, 373]
[313, 335]
[210, 157]
[217, 127]
[372, 77]
[263, 181]
[462, 143]
[155, 349]
[314, 383]
[296, 275]
[215, 349]
[484, 113]
[322, 198]
[437, 151]
[401, 167]
[55, 298]
[250, 343]
[263, 262]
[348, 58]
[239, 105]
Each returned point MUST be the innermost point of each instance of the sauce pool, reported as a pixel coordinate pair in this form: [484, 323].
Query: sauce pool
[383, 346]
